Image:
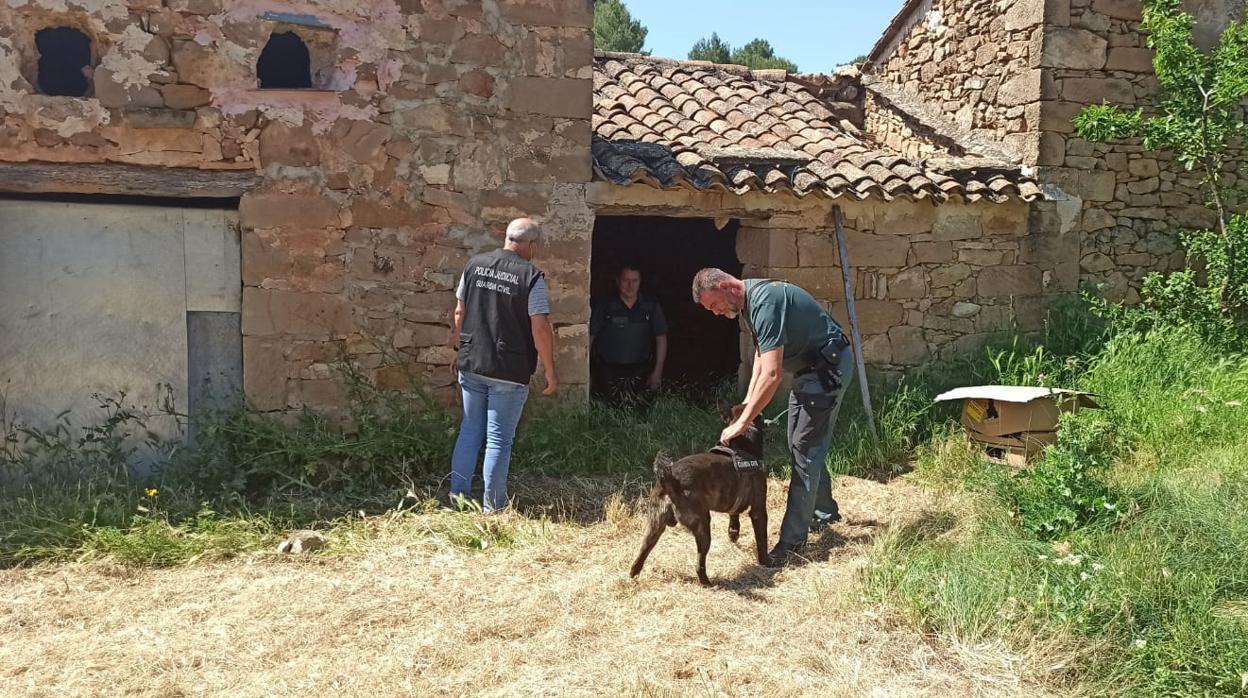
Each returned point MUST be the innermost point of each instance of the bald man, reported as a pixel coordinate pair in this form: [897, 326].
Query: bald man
[502, 326]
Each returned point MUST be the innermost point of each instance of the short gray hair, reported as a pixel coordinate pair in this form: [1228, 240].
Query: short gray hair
[523, 230]
[708, 279]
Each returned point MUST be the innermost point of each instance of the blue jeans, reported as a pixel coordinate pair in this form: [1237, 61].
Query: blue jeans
[492, 410]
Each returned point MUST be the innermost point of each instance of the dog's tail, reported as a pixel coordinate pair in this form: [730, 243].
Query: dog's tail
[663, 472]
[665, 487]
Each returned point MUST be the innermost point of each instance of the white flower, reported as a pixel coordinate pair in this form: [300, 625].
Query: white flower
[1140, 643]
[1097, 567]
[1083, 576]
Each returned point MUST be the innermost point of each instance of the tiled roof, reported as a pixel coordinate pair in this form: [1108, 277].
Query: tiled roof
[706, 126]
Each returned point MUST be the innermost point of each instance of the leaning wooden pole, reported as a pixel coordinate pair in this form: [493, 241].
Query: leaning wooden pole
[855, 335]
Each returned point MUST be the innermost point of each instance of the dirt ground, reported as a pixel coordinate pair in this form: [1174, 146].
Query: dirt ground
[404, 612]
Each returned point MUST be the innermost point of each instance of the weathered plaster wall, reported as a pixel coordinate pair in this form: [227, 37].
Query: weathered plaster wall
[928, 280]
[442, 119]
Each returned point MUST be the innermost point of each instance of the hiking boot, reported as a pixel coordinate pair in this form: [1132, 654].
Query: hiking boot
[782, 554]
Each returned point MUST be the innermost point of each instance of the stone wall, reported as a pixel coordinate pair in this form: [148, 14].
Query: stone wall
[928, 280]
[1131, 202]
[1020, 70]
[976, 62]
[897, 129]
[435, 122]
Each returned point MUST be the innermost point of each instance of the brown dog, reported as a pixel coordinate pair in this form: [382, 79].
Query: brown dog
[689, 489]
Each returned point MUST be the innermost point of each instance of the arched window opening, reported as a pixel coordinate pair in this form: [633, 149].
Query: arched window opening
[64, 60]
[284, 63]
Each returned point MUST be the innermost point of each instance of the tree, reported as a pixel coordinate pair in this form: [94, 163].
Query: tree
[1197, 116]
[615, 29]
[758, 54]
[711, 49]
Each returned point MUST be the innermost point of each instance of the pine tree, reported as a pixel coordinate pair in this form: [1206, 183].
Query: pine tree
[615, 29]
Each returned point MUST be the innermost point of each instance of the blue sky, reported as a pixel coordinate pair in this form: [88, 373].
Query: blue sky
[818, 35]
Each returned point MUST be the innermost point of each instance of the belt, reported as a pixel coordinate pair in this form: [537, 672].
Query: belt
[826, 365]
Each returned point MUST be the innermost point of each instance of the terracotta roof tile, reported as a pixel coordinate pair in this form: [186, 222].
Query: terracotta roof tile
[694, 124]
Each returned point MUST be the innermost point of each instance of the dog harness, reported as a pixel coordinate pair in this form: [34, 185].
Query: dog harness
[743, 462]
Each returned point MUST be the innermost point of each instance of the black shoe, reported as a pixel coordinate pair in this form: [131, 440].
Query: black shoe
[782, 554]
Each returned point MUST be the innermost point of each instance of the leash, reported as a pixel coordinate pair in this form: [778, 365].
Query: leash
[776, 418]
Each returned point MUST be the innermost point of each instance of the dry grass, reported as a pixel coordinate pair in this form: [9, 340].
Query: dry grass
[407, 611]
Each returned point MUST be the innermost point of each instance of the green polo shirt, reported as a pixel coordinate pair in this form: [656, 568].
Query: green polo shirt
[624, 335]
[780, 314]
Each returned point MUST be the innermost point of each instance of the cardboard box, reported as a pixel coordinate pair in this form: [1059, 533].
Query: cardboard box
[1014, 422]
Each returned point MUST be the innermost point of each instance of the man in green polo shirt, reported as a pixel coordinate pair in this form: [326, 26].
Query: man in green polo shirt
[792, 333]
[628, 338]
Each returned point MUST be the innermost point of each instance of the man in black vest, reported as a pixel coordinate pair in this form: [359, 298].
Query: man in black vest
[628, 336]
[502, 326]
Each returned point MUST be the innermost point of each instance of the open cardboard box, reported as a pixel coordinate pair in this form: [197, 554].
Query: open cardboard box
[1014, 422]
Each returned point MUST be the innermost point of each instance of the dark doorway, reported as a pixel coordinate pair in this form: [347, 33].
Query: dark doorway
[64, 55]
[703, 349]
[285, 63]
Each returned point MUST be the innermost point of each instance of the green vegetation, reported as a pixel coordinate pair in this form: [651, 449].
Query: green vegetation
[757, 54]
[1127, 541]
[615, 29]
[1200, 98]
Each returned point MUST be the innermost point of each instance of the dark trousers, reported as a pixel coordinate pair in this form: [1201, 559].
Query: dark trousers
[624, 385]
[812, 413]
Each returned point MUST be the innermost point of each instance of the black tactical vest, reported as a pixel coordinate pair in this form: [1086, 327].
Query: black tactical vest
[627, 334]
[496, 339]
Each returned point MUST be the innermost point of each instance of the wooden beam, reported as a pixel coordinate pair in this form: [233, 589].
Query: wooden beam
[855, 335]
[132, 180]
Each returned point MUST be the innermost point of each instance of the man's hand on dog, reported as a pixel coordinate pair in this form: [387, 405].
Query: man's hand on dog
[733, 430]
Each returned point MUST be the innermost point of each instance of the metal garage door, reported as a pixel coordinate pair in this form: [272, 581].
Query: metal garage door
[110, 298]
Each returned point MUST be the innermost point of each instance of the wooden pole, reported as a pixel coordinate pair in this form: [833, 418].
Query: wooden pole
[855, 336]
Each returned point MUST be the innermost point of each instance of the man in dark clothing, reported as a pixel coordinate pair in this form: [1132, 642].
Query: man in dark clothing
[792, 333]
[628, 335]
[502, 328]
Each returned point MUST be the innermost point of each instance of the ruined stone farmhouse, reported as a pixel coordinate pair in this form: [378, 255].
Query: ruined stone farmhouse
[211, 193]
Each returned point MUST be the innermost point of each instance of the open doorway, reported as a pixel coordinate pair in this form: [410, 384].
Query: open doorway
[703, 349]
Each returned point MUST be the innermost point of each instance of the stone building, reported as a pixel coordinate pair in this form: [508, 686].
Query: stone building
[200, 190]
[1013, 74]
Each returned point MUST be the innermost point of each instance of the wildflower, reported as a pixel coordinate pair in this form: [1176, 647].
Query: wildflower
[1140, 643]
[152, 491]
[1083, 576]
[1097, 567]
[1110, 506]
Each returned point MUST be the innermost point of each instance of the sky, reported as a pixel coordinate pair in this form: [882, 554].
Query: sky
[817, 35]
